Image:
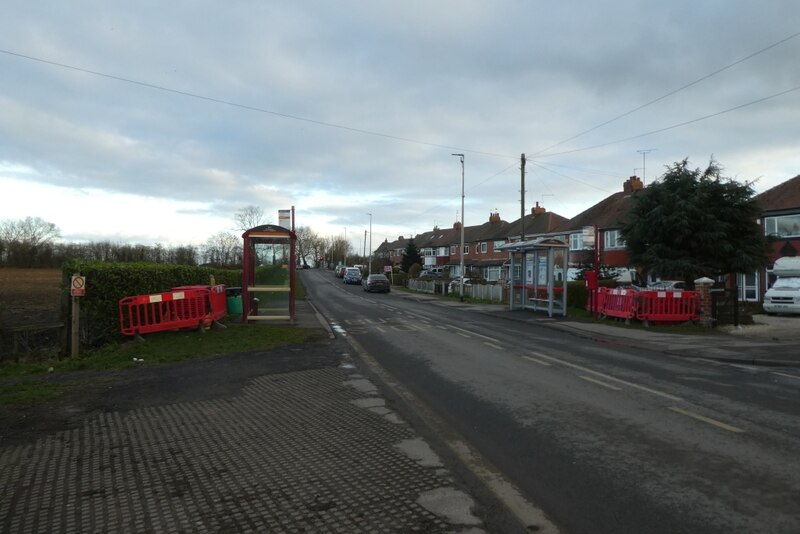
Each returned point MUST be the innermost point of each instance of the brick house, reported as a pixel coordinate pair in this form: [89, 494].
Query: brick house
[608, 215]
[780, 209]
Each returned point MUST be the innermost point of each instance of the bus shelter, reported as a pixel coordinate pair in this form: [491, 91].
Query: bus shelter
[538, 275]
[268, 273]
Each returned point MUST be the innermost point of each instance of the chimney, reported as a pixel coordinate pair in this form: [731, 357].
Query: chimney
[456, 225]
[494, 217]
[537, 209]
[632, 184]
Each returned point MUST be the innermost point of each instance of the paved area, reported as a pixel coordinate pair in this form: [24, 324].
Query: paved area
[292, 440]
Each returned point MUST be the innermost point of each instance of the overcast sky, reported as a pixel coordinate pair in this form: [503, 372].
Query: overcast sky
[154, 121]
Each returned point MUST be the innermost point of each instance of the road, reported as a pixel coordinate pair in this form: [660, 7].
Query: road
[602, 437]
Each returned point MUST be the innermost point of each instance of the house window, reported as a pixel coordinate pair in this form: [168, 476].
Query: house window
[612, 239]
[498, 244]
[466, 249]
[484, 248]
[576, 241]
[784, 226]
[453, 250]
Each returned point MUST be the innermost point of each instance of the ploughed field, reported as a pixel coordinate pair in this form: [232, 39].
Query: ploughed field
[29, 296]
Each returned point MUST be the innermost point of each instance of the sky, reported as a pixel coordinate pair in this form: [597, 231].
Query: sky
[154, 122]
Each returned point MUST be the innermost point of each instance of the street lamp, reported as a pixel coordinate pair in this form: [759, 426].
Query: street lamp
[369, 262]
[461, 262]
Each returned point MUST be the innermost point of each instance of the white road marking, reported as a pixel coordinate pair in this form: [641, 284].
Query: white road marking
[786, 375]
[698, 417]
[598, 382]
[540, 362]
[608, 377]
[498, 347]
[470, 332]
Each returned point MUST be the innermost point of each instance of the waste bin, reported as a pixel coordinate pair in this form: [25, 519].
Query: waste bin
[233, 298]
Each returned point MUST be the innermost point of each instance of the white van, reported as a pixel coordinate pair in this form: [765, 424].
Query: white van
[784, 295]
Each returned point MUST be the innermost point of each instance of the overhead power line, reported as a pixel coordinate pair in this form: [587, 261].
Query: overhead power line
[667, 95]
[251, 108]
[672, 127]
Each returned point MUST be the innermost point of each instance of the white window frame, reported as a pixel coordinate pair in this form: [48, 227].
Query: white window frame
[783, 225]
[612, 239]
[484, 247]
[466, 250]
[497, 244]
[576, 241]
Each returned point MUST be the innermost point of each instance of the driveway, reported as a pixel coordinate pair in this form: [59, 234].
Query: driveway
[773, 327]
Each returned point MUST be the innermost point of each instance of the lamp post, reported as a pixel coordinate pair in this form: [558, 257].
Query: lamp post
[369, 262]
[461, 262]
[344, 245]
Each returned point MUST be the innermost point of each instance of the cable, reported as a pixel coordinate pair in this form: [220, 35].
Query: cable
[652, 132]
[252, 108]
[690, 84]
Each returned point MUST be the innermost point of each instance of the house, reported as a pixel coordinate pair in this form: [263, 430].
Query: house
[780, 209]
[607, 215]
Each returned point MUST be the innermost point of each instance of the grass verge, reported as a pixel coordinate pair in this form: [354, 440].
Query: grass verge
[31, 383]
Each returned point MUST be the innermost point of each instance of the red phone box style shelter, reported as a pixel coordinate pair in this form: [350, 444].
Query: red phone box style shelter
[268, 273]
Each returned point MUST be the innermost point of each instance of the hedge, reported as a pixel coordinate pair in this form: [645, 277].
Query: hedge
[107, 283]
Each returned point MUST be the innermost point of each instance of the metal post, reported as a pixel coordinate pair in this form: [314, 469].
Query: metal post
[461, 262]
[369, 262]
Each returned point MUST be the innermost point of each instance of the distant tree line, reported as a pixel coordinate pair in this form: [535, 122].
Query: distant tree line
[32, 242]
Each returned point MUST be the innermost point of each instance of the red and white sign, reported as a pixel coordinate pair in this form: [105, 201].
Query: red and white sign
[77, 287]
[387, 268]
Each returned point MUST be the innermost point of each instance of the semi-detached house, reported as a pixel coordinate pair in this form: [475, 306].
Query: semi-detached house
[780, 218]
[780, 210]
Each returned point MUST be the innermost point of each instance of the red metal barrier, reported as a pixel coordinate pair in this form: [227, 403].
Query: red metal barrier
[668, 306]
[619, 303]
[144, 314]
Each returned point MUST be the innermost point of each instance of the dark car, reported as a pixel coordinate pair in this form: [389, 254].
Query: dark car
[376, 282]
[352, 275]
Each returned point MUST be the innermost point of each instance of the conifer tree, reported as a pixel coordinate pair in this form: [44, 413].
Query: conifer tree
[694, 223]
[410, 256]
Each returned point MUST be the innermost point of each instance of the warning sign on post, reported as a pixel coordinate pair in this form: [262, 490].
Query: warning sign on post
[77, 286]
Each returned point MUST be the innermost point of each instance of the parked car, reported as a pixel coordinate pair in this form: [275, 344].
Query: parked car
[429, 275]
[376, 282]
[455, 284]
[667, 285]
[352, 275]
[340, 271]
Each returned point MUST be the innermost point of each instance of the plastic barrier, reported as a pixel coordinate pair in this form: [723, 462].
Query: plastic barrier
[667, 306]
[620, 303]
[217, 302]
[144, 314]
[599, 298]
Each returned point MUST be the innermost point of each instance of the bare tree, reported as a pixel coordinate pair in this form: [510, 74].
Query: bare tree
[249, 217]
[27, 241]
[223, 248]
[306, 244]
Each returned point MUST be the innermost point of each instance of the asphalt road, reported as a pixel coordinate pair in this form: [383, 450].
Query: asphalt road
[601, 436]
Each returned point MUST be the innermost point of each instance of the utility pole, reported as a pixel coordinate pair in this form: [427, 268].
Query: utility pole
[461, 262]
[365, 244]
[369, 262]
[522, 196]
